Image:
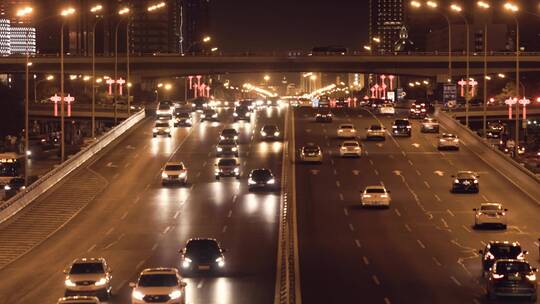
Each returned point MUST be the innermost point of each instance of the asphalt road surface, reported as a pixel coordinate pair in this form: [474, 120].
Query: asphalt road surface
[136, 223]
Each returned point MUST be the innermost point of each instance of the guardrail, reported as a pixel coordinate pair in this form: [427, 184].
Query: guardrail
[46, 182]
[522, 178]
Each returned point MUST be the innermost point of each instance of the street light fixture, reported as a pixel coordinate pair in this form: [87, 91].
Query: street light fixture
[156, 6]
[207, 39]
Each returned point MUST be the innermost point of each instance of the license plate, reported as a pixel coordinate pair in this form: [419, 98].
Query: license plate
[204, 267]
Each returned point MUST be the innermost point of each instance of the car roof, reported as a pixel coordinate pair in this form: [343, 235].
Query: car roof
[174, 163]
[311, 145]
[78, 299]
[466, 173]
[449, 135]
[159, 270]
[500, 243]
[350, 142]
[491, 204]
[228, 130]
[346, 125]
[202, 239]
[88, 260]
[261, 169]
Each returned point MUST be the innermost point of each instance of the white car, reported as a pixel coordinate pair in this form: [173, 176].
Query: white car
[311, 153]
[162, 127]
[89, 277]
[164, 109]
[375, 196]
[346, 131]
[159, 285]
[490, 214]
[448, 141]
[78, 300]
[350, 148]
[387, 109]
[174, 172]
[376, 132]
[430, 125]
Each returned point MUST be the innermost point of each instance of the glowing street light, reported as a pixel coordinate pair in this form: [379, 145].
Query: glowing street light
[214, 49]
[483, 4]
[432, 4]
[67, 12]
[123, 11]
[266, 78]
[156, 6]
[207, 39]
[23, 12]
[377, 39]
[168, 86]
[367, 48]
[511, 7]
[416, 4]
[456, 8]
[96, 9]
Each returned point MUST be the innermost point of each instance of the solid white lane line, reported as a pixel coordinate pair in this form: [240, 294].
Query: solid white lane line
[397, 212]
[466, 228]
[408, 228]
[109, 231]
[91, 248]
[341, 197]
[455, 281]
[421, 244]
[437, 197]
[116, 176]
[351, 227]
[357, 242]
[418, 173]
[376, 280]
[198, 174]
[230, 214]
[166, 229]
[124, 215]
[346, 211]
[176, 214]
[436, 261]
[224, 229]
[450, 212]
[365, 259]
[155, 247]
[338, 184]
[427, 185]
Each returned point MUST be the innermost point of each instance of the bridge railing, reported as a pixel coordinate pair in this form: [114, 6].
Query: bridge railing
[46, 182]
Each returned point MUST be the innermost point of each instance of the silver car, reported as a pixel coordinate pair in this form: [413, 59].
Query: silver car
[448, 141]
[174, 172]
[490, 214]
[78, 300]
[90, 277]
[376, 132]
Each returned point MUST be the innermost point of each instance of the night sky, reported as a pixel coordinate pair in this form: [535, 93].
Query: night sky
[266, 25]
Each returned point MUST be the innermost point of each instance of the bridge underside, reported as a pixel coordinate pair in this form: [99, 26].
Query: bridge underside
[166, 66]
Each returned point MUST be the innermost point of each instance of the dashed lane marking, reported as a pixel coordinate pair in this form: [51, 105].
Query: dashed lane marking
[410, 162]
[338, 184]
[387, 301]
[450, 212]
[166, 229]
[397, 212]
[230, 214]
[427, 185]
[200, 284]
[371, 162]
[139, 264]
[465, 228]
[436, 261]
[365, 259]
[358, 244]
[444, 223]
[124, 215]
[437, 197]
[408, 228]
[341, 198]
[224, 229]
[485, 198]
[176, 214]
[421, 244]
[351, 227]
[346, 211]
[418, 173]
[376, 172]
[91, 248]
[458, 283]
[376, 280]
[155, 247]
[109, 231]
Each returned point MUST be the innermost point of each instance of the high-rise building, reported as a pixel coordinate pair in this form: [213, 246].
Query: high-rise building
[17, 35]
[195, 24]
[157, 31]
[386, 20]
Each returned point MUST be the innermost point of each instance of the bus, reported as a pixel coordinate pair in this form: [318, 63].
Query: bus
[10, 167]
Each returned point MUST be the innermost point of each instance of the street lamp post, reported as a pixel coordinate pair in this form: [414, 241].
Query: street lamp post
[94, 10]
[65, 13]
[485, 6]
[458, 9]
[513, 9]
[23, 13]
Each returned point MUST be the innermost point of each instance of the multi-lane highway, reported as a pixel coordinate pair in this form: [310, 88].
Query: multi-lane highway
[135, 223]
[423, 249]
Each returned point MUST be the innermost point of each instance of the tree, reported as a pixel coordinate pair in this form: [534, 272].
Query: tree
[508, 91]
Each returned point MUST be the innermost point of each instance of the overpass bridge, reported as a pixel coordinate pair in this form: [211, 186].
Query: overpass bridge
[165, 65]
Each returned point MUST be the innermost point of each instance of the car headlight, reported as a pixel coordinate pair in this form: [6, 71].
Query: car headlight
[263, 133]
[168, 130]
[193, 105]
[521, 256]
[222, 137]
[276, 133]
[137, 295]
[164, 175]
[214, 116]
[69, 283]
[101, 282]
[235, 114]
[489, 256]
[7, 187]
[366, 195]
[155, 129]
[531, 277]
[183, 174]
[394, 127]
[186, 262]
[28, 152]
[220, 261]
[442, 140]
[409, 127]
[497, 276]
[456, 140]
[175, 294]
[271, 181]
[203, 115]
[234, 149]
[456, 181]
[475, 181]
[236, 170]
[247, 114]
[384, 195]
[251, 181]
[217, 170]
[357, 148]
[219, 149]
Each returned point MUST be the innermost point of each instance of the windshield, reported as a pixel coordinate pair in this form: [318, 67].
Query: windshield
[346, 127]
[401, 122]
[505, 251]
[155, 280]
[311, 149]
[261, 174]
[174, 168]
[228, 132]
[86, 268]
[162, 125]
[491, 208]
[375, 190]
[269, 128]
[376, 127]
[350, 144]
[202, 247]
[504, 267]
[227, 162]
[164, 107]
